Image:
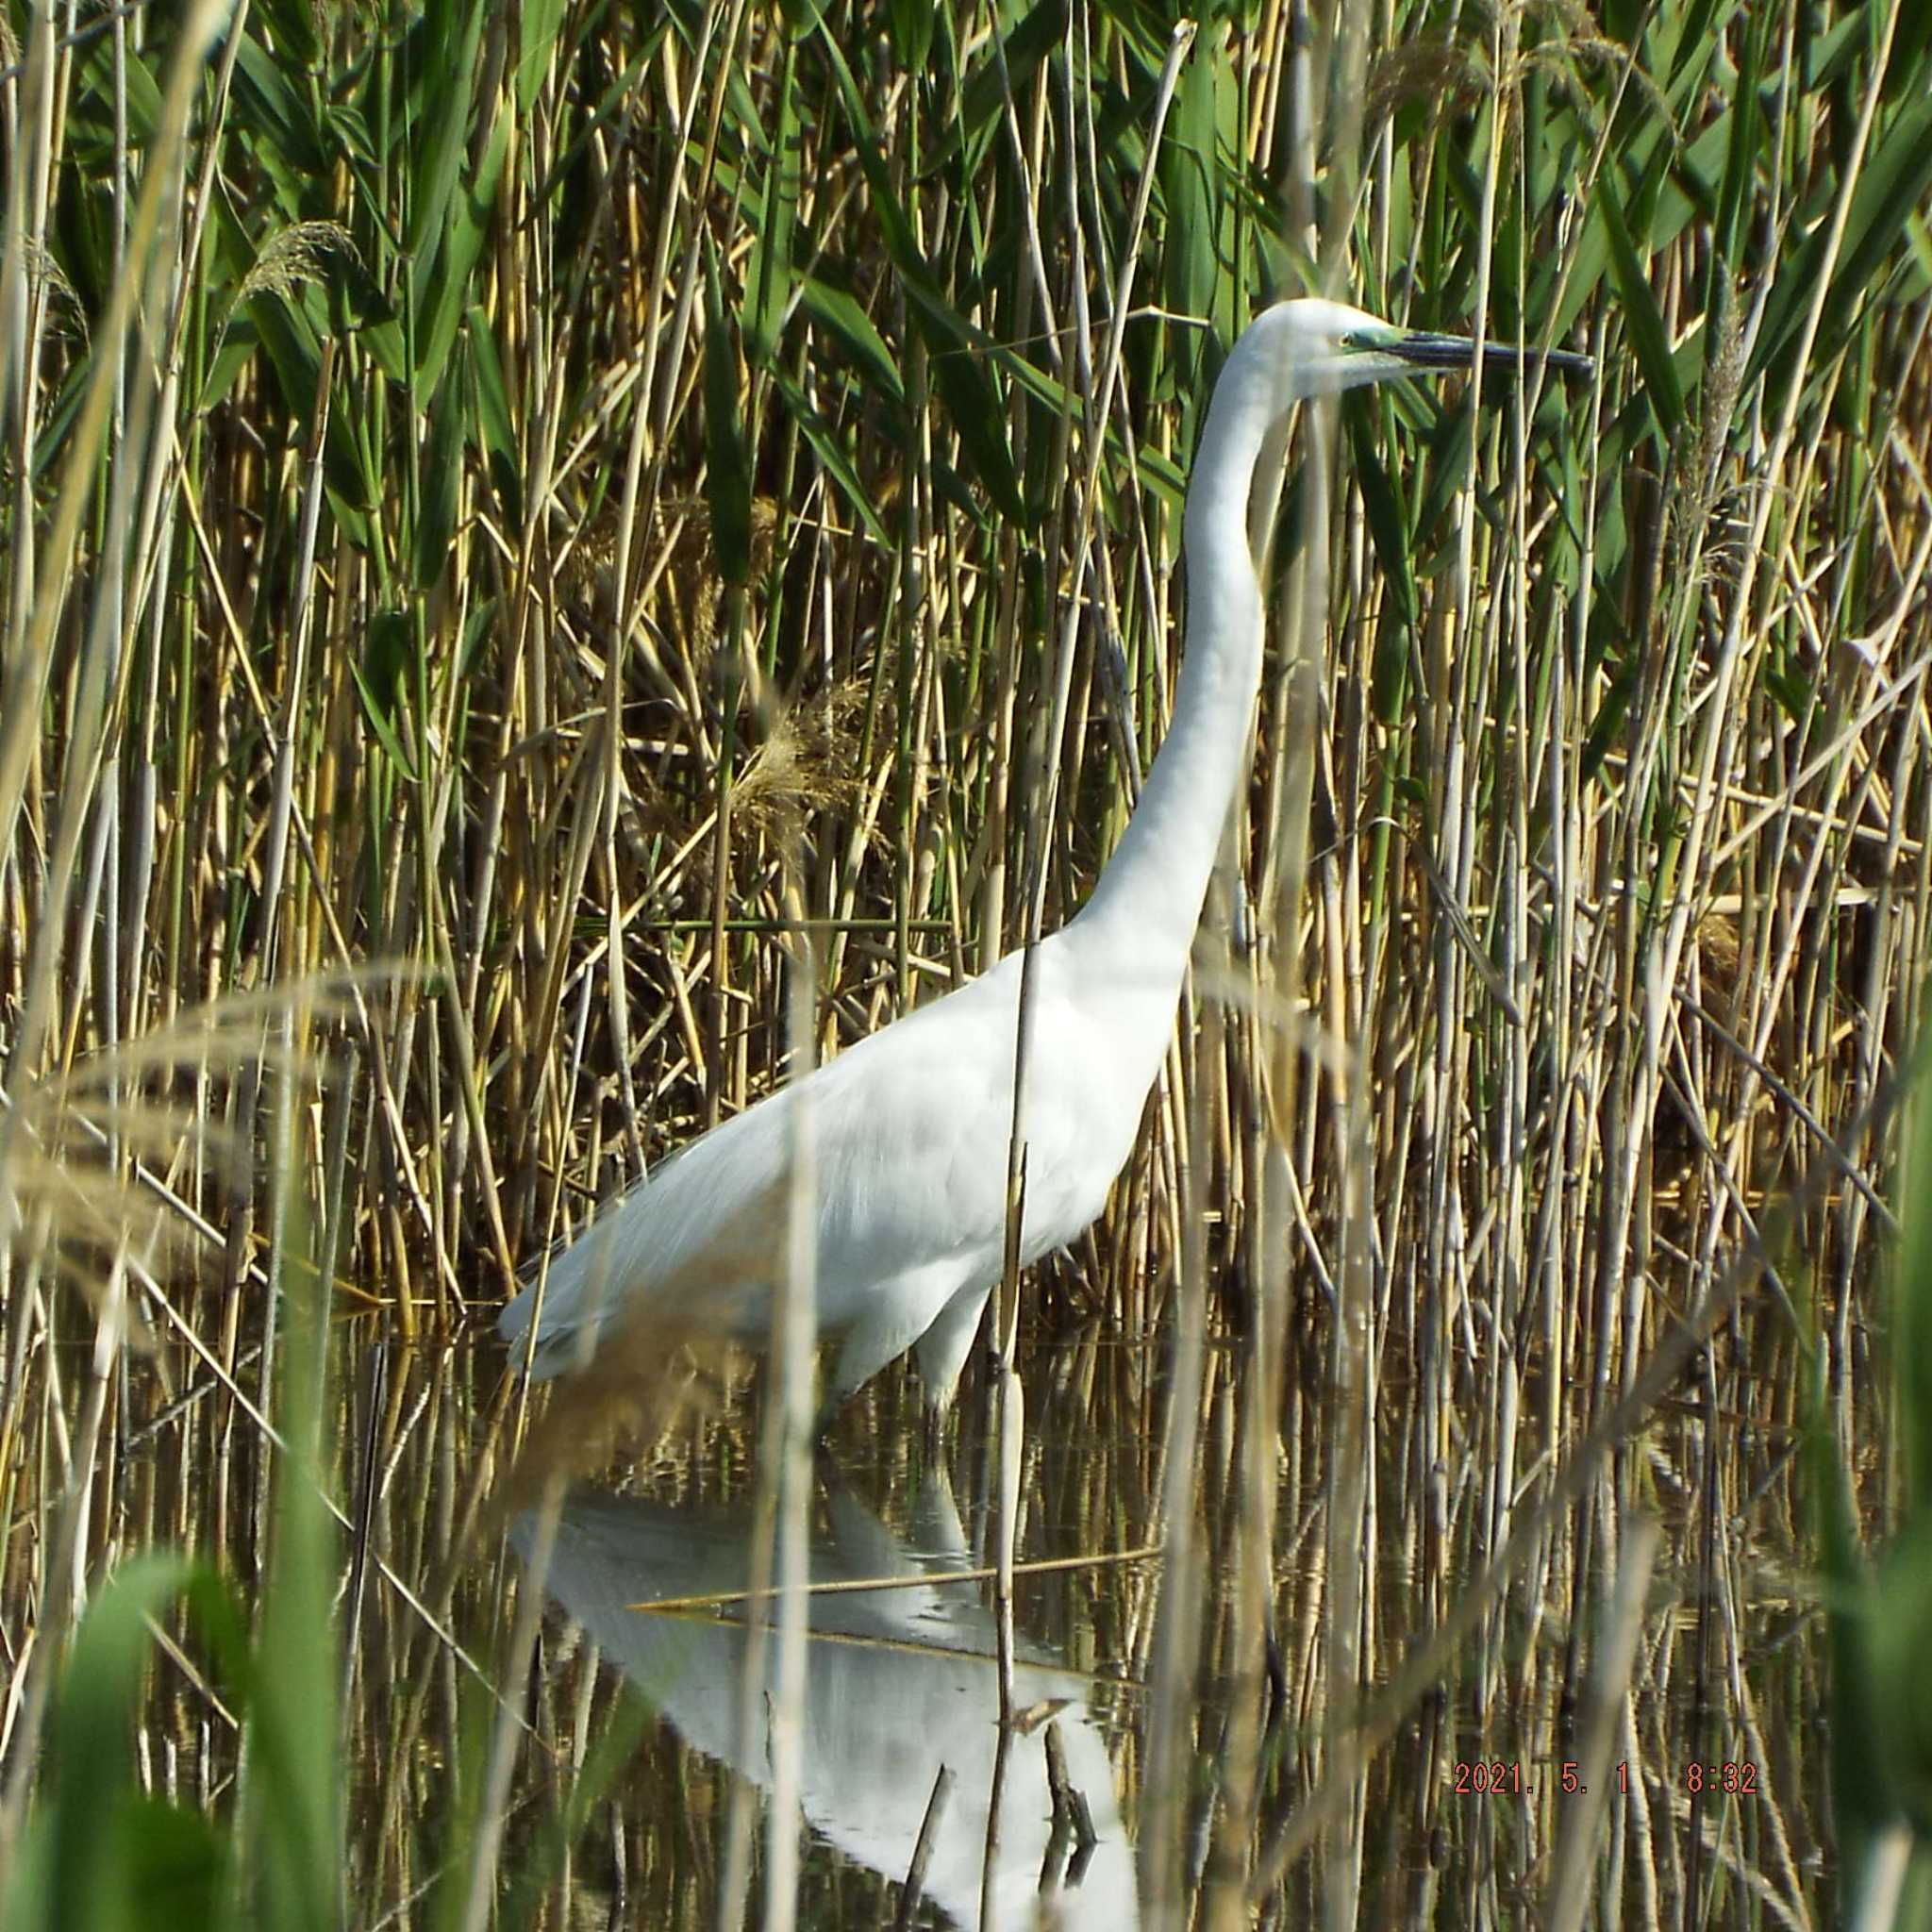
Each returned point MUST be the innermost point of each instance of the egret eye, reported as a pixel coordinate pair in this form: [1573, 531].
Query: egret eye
[1352, 338]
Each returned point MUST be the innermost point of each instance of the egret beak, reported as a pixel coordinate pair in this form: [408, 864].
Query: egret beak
[1427, 351]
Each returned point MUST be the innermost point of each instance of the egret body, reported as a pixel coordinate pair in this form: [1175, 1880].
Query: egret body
[910, 1126]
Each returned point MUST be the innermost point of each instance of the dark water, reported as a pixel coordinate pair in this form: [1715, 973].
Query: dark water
[1462, 1804]
[1470, 1799]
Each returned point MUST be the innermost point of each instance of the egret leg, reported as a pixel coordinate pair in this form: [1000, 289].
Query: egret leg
[942, 1349]
[934, 1430]
[899, 1311]
[821, 1425]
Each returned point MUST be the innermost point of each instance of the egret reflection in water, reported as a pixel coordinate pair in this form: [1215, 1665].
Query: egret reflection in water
[899, 1682]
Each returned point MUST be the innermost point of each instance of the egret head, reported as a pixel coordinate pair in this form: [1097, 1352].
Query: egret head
[1318, 348]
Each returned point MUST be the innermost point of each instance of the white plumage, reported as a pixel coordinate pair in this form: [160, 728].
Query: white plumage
[910, 1126]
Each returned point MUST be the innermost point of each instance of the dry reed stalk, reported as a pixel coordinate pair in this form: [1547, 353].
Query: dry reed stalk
[1615, 981]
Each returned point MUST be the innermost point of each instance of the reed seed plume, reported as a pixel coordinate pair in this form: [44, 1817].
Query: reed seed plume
[805, 767]
[293, 257]
[45, 269]
[102, 1160]
[650, 1368]
[1433, 68]
[648, 1381]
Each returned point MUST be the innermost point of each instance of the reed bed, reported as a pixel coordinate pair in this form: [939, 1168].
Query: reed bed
[511, 515]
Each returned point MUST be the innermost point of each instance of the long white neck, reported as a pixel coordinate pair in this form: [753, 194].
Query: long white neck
[1147, 904]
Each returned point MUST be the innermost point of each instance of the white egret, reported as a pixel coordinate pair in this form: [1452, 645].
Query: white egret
[910, 1126]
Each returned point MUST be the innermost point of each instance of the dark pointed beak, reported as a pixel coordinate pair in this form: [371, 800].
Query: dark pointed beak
[1458, 352]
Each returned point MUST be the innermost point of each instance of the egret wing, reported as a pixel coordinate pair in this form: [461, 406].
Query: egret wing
[908, 1131]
